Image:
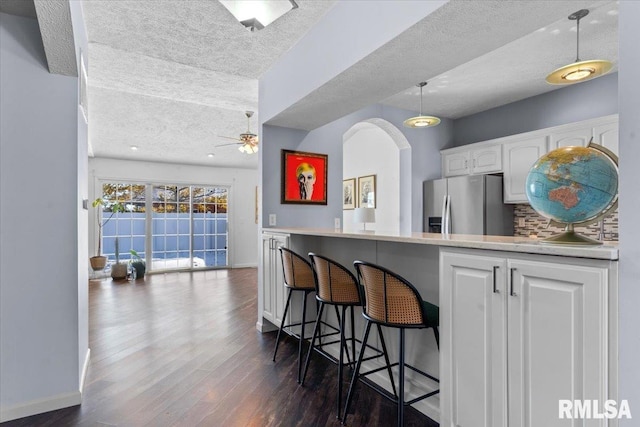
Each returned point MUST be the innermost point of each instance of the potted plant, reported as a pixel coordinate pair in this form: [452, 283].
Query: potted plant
[118, 270]
[138, 263]
[99, 261]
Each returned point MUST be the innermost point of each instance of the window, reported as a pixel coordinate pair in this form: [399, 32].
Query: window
[188, 224]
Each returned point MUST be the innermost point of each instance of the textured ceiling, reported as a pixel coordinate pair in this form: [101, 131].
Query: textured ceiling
[467, 40]
[54, 19]
[18, 7]
[173, 77]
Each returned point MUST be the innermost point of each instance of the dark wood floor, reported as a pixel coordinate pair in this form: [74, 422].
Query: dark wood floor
[181, 349]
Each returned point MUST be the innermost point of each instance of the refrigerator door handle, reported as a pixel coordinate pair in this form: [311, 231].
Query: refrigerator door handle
[448, 214]
[443, 220]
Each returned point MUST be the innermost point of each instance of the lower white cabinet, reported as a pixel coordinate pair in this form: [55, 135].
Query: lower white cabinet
[274, 295]
[518, 335]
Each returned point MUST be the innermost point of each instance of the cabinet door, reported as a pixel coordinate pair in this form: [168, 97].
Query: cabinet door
[557, 341]
[267, 278]
[487, 159]
[579, 137]
[607, 136]
[519, 156]
[473, 341]
[455, 164]
[280, 292]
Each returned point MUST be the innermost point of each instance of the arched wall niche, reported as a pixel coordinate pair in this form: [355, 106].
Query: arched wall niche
[377, 147]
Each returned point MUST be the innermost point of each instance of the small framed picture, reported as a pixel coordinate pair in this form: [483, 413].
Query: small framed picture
[304, 178]
[367, 191]
[349, 193]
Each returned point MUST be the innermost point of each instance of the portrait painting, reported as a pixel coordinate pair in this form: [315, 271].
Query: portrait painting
[304, 178]
[349, 193]
[367, 191]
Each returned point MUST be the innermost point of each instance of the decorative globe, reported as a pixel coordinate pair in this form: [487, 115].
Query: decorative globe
[573, 184]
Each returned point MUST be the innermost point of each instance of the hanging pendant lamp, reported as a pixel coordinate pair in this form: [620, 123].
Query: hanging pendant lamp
[421, 121]
[579, 71]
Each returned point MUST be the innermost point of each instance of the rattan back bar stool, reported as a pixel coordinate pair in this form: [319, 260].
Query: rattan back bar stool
[298, 276]
[393, 302]
[336, 286]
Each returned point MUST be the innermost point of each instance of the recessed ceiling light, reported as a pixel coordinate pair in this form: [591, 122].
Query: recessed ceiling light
[257, 14]
[134, 148]
[210, 155]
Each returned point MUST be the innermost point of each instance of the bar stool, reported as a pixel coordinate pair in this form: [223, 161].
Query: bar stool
[336, 286]
[393, 302]
[298, 276]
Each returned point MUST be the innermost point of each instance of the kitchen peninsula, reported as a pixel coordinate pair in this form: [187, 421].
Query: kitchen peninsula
[516, 314]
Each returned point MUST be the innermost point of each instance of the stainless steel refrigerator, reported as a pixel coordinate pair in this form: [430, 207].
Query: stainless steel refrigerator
[466, 205]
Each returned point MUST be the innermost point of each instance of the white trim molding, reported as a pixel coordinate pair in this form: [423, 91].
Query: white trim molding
[38, 406]
[85, 368]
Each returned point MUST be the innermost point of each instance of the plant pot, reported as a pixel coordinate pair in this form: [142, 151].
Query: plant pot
[119, 271]
[140, 267]
[98, 262]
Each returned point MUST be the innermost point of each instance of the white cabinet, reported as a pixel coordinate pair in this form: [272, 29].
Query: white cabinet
[479, 160]
[519, 155]
[455, 164]
[579, 136]
[518, 335]
[606, 134]
[603, 130]
[273, 291]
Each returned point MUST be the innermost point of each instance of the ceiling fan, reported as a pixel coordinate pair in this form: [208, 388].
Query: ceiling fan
[248, 141]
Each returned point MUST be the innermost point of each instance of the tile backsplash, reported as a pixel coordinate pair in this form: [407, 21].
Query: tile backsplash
[536, 225]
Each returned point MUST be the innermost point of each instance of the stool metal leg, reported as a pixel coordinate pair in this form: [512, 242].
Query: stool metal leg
[386, 360]
[353, 337]
[401, 381]
[437, 335]
[316, 331]
[354, 379]
[343, 346]
[284, 317]
[304, 319]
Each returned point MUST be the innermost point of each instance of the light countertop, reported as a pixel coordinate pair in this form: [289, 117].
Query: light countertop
[497, 243]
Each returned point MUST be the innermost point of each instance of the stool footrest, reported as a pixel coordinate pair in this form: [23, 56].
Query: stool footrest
[386, 393]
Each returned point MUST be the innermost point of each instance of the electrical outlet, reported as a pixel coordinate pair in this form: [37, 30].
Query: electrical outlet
[272, 220]
[521, 222]
[336, 223]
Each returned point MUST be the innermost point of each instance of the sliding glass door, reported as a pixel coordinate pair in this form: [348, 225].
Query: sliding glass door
[171, 226]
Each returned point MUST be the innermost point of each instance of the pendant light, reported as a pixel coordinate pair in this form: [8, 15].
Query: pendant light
[421, 121]
[579, 71]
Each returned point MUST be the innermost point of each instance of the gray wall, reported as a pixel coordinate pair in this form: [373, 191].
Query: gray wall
[629, 298]
[425, 146]
[38, 253]
[594, 98]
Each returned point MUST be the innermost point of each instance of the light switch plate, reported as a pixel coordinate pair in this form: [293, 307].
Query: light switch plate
[336, 223]
[521, 222]
[272, 220]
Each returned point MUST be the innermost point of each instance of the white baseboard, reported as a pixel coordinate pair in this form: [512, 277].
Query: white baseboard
[39, 406]
[245, 265]
[85, 367]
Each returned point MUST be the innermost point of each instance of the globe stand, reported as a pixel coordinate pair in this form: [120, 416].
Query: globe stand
[570, 237]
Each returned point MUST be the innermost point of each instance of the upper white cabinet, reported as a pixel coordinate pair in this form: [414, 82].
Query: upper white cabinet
[580, 137]
[515, 154]
[606, 134]
[479, 160]
[519, 156]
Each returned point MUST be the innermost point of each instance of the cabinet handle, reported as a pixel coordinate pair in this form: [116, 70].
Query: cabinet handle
[465, 163]
[495, 286]
[513, 294]
[474, 163]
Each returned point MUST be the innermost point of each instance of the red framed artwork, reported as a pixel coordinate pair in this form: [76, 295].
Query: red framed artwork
[304, 178]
